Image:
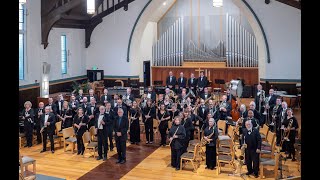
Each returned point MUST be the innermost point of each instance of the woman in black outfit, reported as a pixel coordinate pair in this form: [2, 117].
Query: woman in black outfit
[66, 115]
[211, 135]
[80, 123]
[163, 117]
[288, 146]
[134, 123]
[28, 117]
[177, 135]
[148, 114]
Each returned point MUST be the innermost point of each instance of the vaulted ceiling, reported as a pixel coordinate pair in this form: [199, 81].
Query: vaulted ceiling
[73, 14]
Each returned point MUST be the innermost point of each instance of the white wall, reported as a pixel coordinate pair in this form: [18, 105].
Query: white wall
[109, 42]
[282, 25]
[36, 54]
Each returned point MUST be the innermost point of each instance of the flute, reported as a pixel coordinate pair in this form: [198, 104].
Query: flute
[174, 135]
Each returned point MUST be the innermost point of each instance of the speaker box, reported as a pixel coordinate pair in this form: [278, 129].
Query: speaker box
[247, 92]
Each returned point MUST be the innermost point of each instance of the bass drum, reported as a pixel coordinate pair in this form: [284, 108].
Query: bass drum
[236, 88]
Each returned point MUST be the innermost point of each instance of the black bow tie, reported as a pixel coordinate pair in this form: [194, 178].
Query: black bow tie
[101, 114]
[47, 114]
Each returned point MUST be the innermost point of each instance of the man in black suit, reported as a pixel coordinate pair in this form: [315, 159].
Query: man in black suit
[47, 123]
[121, 125]
[171, 81]
[151, 94]
[282, 116]
[258, 98]
[80, 96]
[53, 106]
[92, 95]
[202, 82]
[59, 104]
[105, 97]
[110, 115]
[252, 142]
[192, 83]
[37, 118]
[205, 95]
[120, 105]
[257, 115]
[114, 101]
[84, 104]
[182, 82]
[129, 96]
[92, 110]
[202, 113]
[271, 99]
[225, 108]
[73, 104]
[101, 123]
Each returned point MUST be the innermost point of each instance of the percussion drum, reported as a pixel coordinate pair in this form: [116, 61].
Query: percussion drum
[290, 99]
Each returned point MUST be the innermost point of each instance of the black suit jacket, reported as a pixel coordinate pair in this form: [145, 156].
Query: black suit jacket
[79, 98]
[105, 119]
[37, 118]
[202, 83]
[57, 105]
[103, 98]
[123, 128]
[53, 107]
[193, 84]
[253, 140]
[202, 96]
[173, 81]
[51, 119]
[182, 84]
[95, 97]
[179, 142]
[201, 114]
[153, 96]
[272, 101]
[214, 137]
[125, 110]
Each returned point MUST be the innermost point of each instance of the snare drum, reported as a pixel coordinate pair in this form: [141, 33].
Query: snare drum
[290, 99]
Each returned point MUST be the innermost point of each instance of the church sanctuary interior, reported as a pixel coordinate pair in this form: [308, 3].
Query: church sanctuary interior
[159, 89]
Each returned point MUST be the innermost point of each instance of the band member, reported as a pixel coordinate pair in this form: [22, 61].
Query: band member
[151, 94]
[105, 97]
[28, 117]
[225, 109]
[114, 101]
[101, 122]
[66, 115]
[37, 119]
[52, 105]
[230, 95]
[243, 111]
[143, 101]
[160, 100]
[275, 124]
[73, 105]
[289, 140]
[167, 93]
[282, 116]
[259, 99]
[205, 95]
[47, 123]
[202, 82]
[186, 122]
[80, 122]
[92, 110]
[92, 95]
[202, 112]
[167, 102]
[121, 125]
[270, 101]
[177, 135]
[59, 104]
[80, 96]
[206, 121]
[192, 83]
[134, 123]
[240, 121]
[254, 121]
[194, 118]
[84, 105]
[110, 115]
[182, 82]
[174, 112]
[252, 142]
[257, 115]
[211, 135]
[120, 105]
[188, 102]
[171, 81]
[163, 116]
[129, 98]
[148, 114]
[213, 109]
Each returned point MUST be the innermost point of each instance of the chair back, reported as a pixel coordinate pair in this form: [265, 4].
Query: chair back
[230, 131]
[271, 137]
[264, 130]
[86, 137]
[196, 151]
[68, 132]
[58, 126]
[92, 131]
[222, 125]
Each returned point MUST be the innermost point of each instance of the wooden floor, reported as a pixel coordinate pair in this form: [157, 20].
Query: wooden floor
[143, 162]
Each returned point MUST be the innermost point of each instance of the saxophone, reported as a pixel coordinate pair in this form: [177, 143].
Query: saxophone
[243, 149]
[204, 141]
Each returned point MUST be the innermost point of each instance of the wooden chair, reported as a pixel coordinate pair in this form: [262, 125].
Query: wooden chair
[69, 138]
[88, 144]
[21, 177]
[191, 157]
[222, 125]
[58, 135]
[269, 140]
[155, 129]
[269, 151]
[225, 159]
[93, 133]
[224, 140]
[271, 162]
[264, 132]
[24, 162]
[20, 144]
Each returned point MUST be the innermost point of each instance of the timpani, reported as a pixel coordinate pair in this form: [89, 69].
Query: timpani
[290, 99]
